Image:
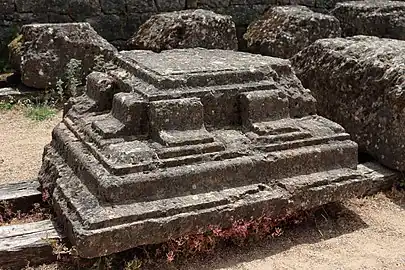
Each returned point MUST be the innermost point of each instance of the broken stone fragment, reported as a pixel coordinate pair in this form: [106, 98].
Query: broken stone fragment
[42, 51]
[359, 82]
[186, 29]
[284, 31]
[372, 18]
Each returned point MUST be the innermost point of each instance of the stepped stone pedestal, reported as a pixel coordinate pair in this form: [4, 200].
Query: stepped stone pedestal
[166, 144]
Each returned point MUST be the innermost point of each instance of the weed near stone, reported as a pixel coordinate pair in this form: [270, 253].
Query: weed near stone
[6, 106]
[40, 112]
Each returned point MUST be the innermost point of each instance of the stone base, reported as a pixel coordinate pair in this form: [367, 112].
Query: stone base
[120, 227]
[164, 145]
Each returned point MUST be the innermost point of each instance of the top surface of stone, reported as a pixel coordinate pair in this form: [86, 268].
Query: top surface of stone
[371, 5]
[302, 12]
[368, 48]
[284, 31]
[184, 68]
[194, 13]
[71, 32]
[200, 61]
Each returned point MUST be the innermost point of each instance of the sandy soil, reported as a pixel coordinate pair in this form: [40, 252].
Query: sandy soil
[21, 145]
[364, 233]
[360, 234]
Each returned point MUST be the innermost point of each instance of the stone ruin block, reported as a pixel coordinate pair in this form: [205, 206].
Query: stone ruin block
[359, 82]
[284, 31]
[42, 51]
[186, 29]
[166, 144]
[379, 18]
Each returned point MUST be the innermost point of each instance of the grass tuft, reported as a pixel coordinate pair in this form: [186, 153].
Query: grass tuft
[6, 106]
[40, 112]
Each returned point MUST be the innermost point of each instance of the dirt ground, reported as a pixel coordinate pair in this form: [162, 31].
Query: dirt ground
[22, 142]
[364, 233]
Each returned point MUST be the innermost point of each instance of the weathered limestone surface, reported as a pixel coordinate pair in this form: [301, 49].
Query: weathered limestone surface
[380, 18]
[284, 31]
[42, 51]
[359, 82]
[186, 29]
[166, 144]
[117, 20]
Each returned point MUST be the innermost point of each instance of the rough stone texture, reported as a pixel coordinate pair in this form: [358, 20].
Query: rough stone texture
[42, 51]
[359, 82]
[186, 29]
[128, 14]
[284, 31]
[192, 138]
[384, 19]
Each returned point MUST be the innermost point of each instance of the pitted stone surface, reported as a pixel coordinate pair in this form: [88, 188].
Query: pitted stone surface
[359, 83]
[188, 144]
[42, 51]
[284, 31]
[186, 29]
[379, 18]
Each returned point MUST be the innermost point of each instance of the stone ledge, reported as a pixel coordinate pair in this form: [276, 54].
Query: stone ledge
[89, 224]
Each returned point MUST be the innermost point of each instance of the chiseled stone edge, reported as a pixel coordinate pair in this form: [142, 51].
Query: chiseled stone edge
[289, 196]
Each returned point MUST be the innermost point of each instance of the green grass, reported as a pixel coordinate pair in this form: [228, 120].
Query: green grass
[40, 112]
[6, 106]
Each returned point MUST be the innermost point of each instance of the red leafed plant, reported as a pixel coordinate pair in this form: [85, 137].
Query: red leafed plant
[238, 233]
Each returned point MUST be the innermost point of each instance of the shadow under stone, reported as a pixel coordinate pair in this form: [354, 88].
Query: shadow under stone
[327, 222]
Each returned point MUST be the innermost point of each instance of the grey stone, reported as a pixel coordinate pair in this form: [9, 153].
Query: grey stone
[109, 26]
[359, 83]
[141, 6]
[59, 18]
[42, 6]
[373, 18]
[133, 22]
[113, 6]
[19, 93]
[80, 10]
[173, 5]
[7, 7]
[28, 6]
[193, 138]
[284, 31]
[28, 18]
[212, 4]
[42, 51]
[243, 15]
[19, 12]
[186, 29]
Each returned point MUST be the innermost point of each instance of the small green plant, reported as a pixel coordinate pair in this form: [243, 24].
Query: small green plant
[6, 106]
[72, 75]
[401, 183]
[40, 112]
